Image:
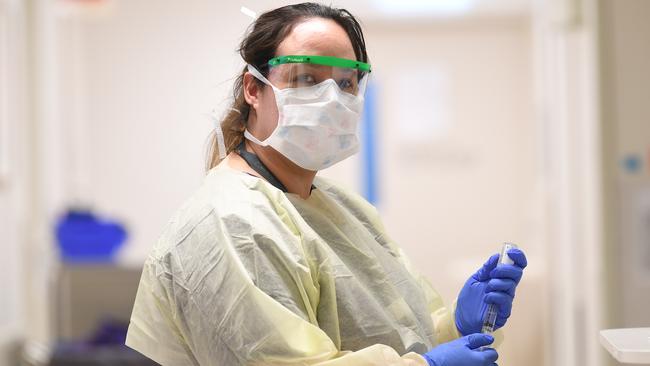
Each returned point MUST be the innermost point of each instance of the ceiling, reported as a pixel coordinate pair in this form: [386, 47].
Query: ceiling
[416, 9]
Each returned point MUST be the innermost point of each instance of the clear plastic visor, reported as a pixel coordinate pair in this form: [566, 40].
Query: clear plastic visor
[301, 75]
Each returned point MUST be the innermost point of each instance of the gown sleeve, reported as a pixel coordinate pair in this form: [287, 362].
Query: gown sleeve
[152, 329]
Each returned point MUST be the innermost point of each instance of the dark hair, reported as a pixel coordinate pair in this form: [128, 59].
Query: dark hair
[260, 45]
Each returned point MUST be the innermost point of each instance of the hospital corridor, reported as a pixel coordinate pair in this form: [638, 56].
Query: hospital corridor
[271, 182]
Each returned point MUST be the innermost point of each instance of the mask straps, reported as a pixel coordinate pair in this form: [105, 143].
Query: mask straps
[259, 76]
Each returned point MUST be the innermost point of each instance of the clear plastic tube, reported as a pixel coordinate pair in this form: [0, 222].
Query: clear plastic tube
[491, 314]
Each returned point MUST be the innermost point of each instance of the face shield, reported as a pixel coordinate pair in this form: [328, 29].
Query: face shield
[305, 71]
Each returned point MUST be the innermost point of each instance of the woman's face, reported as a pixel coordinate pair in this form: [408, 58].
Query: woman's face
[314, 36]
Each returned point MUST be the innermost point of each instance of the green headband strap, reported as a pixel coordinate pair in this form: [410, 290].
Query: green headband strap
[320, 60]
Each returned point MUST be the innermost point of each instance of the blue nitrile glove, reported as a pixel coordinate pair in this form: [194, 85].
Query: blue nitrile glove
[464, 351]
[491, 284]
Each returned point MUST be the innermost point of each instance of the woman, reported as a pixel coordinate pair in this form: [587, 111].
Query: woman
[268, 264]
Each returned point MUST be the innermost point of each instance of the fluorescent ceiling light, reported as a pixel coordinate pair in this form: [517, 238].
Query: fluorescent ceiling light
[424, 7]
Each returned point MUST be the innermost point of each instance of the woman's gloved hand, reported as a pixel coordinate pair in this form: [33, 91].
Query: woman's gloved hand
[465, 351]
[491, 284]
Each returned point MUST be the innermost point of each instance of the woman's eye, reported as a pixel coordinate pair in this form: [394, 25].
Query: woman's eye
[305, 79]
[345, 84]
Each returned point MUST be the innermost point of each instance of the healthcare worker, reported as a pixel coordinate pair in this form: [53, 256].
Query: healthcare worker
[268, 264]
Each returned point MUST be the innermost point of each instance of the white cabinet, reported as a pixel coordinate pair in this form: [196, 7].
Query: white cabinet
[627, 345]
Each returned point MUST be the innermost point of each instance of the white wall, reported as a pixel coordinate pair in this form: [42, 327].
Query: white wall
[567, 97]
[12, 176]
[627, 92]
[146, 75]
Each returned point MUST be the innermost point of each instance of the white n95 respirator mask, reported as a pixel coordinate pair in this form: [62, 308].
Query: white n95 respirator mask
[318, 121]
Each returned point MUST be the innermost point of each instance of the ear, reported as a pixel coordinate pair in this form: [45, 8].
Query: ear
[252, 90]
